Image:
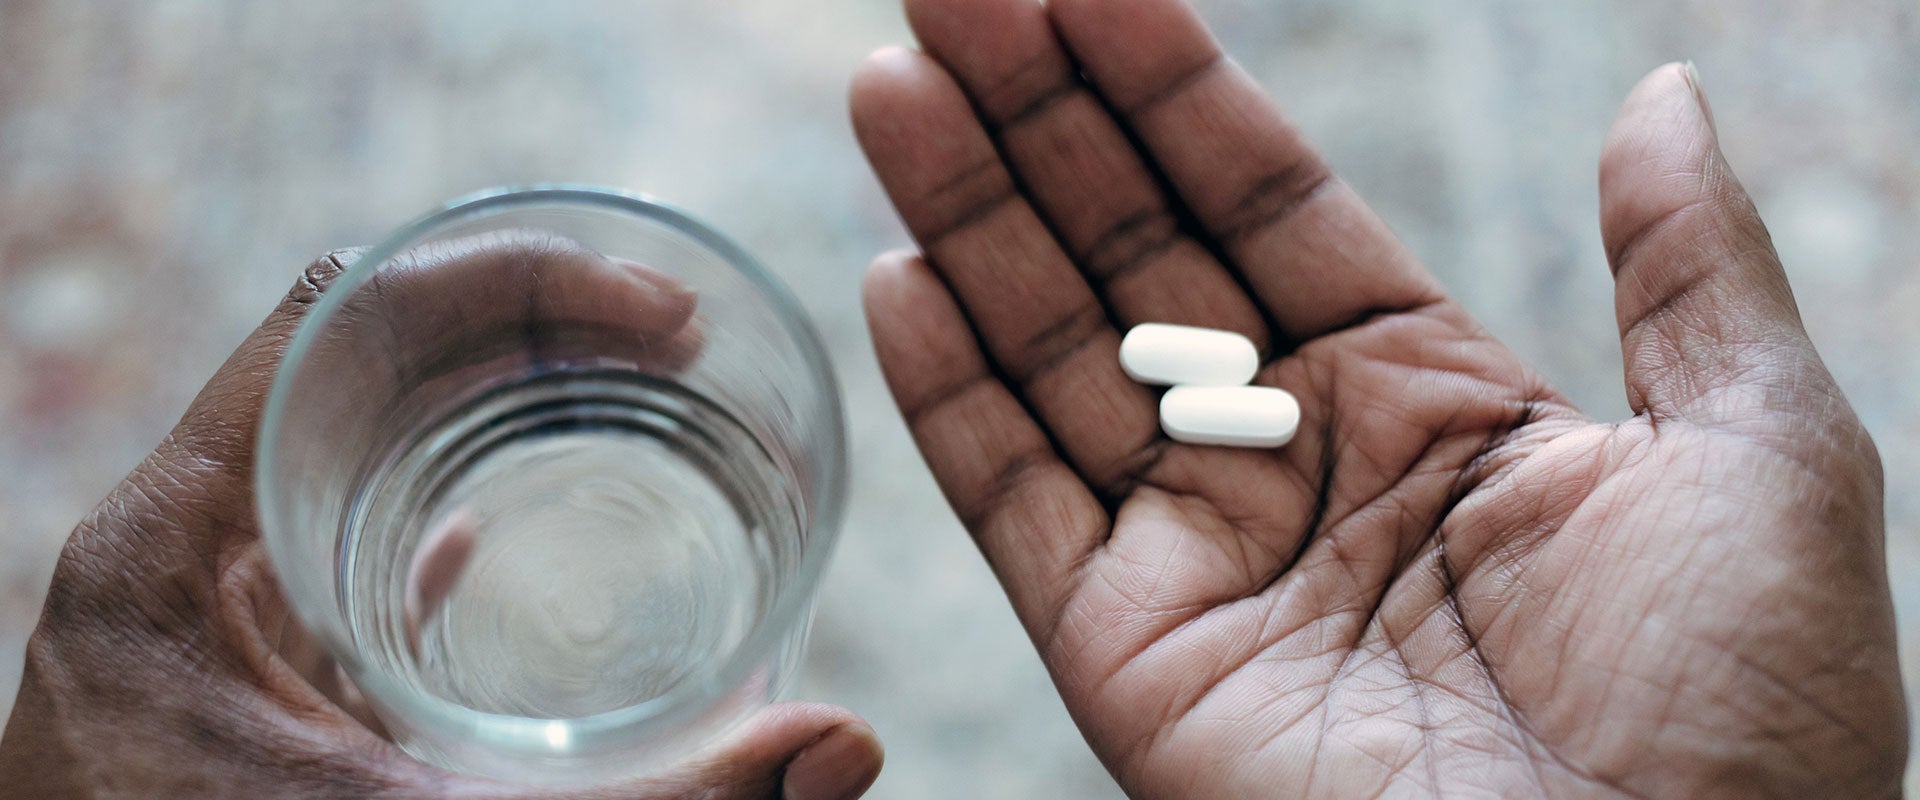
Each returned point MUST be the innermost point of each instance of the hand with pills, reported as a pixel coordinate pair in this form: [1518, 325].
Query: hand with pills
[1210, 402]
[1283, 520]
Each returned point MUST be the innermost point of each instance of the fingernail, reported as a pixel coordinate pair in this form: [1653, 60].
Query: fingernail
[1700, 95]
[838, 767]
[678, 294]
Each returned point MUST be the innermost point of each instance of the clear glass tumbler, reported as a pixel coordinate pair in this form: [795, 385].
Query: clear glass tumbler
[552, 474]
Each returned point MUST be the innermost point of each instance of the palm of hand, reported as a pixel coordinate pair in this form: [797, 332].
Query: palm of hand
[1484, 590]
[1451, 579]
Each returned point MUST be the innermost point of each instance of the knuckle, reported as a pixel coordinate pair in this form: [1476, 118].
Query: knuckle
[97, 549]
[91, 567]
[1859, 444]
[320, 274]
[126, 561]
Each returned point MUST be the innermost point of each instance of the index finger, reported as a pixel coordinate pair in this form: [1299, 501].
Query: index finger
[206, 463]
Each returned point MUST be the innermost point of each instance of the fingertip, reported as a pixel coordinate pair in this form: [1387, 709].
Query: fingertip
[966, 29]
[840, 765]
[1664, 102]
[943, 26]
[887, 270]
[669, 303]
[890, 56]
[920, 335]
[1071, 12]
[1659, 157]
[1004, 53]
[780, 733]
[870, 91]
[1664, 74]
[932, 16]
[877, 77]
[1663, 86]
[1692, 74]
[437, 564]
[896, 259]
[895, 283]
[885, 288]
[1132, 48]
[899, 94]
[815, 718]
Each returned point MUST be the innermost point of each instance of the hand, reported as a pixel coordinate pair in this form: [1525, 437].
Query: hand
[1452, 580]
[165, 664]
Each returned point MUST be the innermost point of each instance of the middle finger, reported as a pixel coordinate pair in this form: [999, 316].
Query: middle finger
[1083, 173]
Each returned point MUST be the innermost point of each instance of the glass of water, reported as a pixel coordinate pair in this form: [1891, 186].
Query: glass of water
[552, 474]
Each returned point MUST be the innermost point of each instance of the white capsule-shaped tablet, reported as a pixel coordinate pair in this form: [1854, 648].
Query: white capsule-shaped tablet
[1171, 355]
[1235, 416]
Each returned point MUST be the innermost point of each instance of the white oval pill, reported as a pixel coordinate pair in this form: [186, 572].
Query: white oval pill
[1236, 416]
[1171, 355]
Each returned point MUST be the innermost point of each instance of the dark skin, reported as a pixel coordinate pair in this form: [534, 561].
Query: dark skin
[166, 664]
[1453, 580]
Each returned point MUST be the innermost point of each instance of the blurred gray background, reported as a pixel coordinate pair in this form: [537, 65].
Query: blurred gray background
[167, 168]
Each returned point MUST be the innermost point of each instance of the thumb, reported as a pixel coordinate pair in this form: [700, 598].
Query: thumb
[795, 751]
[792, 751]
[1708, 325]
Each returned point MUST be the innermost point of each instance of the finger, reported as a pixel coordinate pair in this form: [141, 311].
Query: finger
[518, 277]
[1708, 325]
[794, 750]
[808, 751]
[1313, 253]
[1076, 164]
[1041, 324]
[520, 295]
[422, 302]
[207, 459]
[438, 562]
[997, 468]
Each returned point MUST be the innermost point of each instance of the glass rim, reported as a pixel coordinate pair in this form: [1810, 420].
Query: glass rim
[686, 700]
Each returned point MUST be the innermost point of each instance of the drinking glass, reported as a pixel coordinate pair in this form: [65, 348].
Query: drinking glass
[552, 475]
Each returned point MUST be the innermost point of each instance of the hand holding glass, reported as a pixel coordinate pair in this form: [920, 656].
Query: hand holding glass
[552, 475]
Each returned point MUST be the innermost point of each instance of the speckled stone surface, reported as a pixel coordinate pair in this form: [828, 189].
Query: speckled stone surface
[167, 168]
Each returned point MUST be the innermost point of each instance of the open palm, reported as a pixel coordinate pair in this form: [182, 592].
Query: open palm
[1452, 579]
